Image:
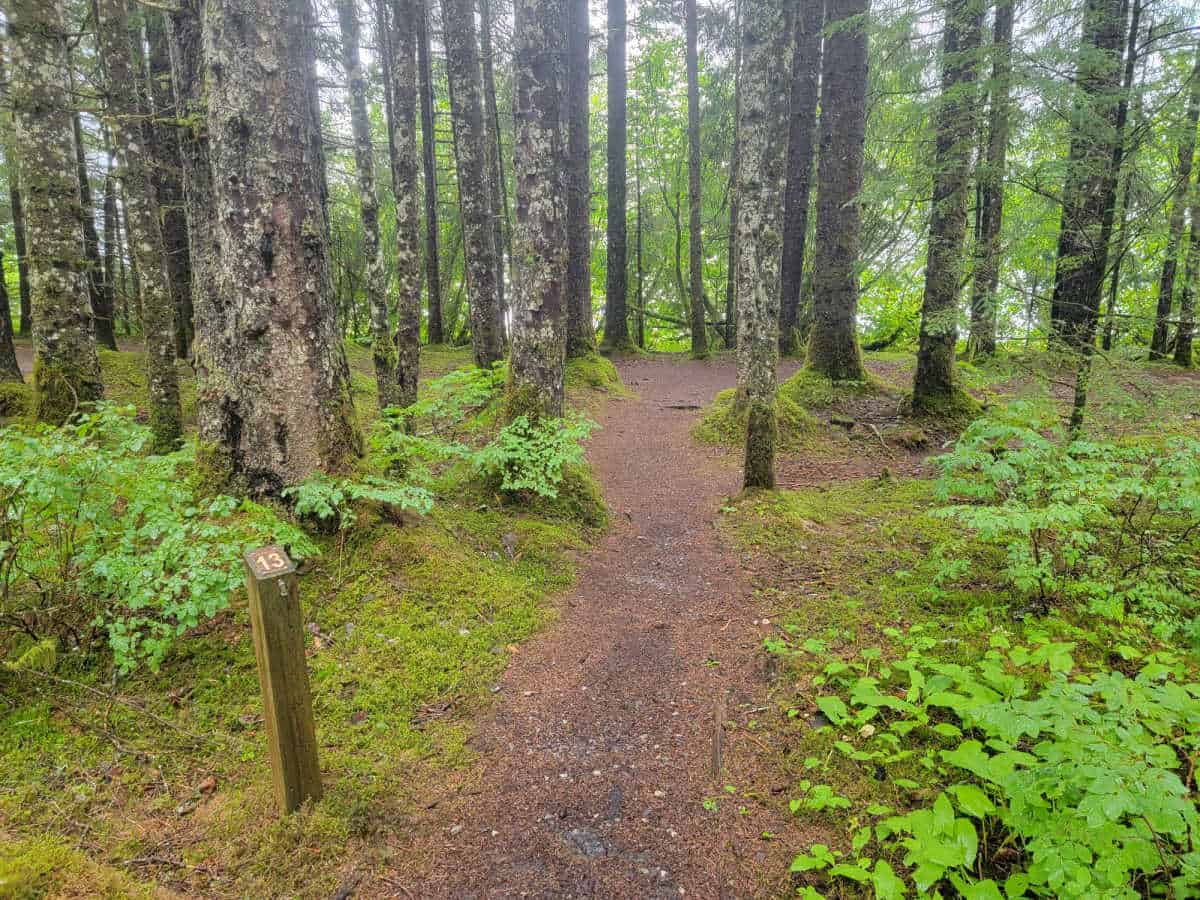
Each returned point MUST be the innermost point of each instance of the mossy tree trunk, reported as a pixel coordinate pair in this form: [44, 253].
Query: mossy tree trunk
[474, 197]
[539, 312]
[1180, 191]
[580, 337]
[66, 372]
[164, 144]
[809, 16]
[433, 279]
[130, 131]
[12, 166]
[111, 250]
[9, 369]
[762, 179]
[616, 286]
[383, 348]
[274, 384]
[1091, 180]
[399, 38]
[833, 347]
[695, 242]
[935, 389]
[985, 279]
[730, 336]
[102, 324]
[1184, 337]
[499, 194]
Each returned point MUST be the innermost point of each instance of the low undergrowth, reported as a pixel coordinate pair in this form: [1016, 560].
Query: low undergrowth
[991, 680]
[421, 575]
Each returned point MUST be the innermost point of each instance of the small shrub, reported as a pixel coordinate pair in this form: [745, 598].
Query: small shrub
[330, 501]
[528, 457]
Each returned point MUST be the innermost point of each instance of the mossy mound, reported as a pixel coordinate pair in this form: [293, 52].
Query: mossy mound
[593, 371]
[957, 408]
[813, 391]
[721, 423]
[579, 501]
[15, 399]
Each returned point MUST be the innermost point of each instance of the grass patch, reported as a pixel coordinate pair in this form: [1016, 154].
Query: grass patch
[33, 868]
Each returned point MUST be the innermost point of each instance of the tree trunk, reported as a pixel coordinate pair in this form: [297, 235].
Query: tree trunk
[638, 265]
[101, 317]
[433, 278]
[66, 372]
[164, 144]
[472, 156]
[383, 348]
[400, 40]
[1185, 334]
[12, 166]
[935, 390]
[806, 68]
[616, 287]
[1179, 202]
[9, 369]
[833, 348]
[495, 157]
[766, 59]
[111, 251]
[130, 133]
[985, 278]
[274, 388]
[580, 337]
[734, 167]
[1090, 182]
[695, 244]
[539, 340]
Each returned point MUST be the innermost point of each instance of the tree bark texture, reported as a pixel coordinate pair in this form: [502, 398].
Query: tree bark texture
[274, 384]
[955, 123]
[9, 369]
[616, 287]
[985, 279]
[763, 129]
[167, 173]
[383, 348]
[734, 167]
[402, 58]
[539, 230]
[833, 348]
[433, 278]
[581, 338]
[13, 165]
[809, 17]
[66, 372]
[498, 197]
[695, 242]
[1185, 335]
[1179, 202]
[472, 156]
[111, 250]
[101, 316]
[1090, 181]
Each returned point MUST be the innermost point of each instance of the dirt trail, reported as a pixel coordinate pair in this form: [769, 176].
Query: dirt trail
[601, 751]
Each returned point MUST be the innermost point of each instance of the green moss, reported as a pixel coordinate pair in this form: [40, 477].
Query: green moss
[16, 399]
[60, 390]
[124, 376]
[47, 865]
[594, 371]
[957, 407]
[813, 391]
[761, 431]
[624, 347]
[721, 423]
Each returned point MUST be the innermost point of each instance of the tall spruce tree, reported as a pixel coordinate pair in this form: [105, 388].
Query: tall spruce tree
[695, 201]
[429, 183]
[616, 288]
[581, 338]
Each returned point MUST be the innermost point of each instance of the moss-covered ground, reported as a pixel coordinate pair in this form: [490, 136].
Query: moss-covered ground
[159, 783]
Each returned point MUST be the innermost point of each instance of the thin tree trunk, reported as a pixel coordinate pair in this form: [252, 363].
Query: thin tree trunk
[101, 317]
[985, 278]
[1185, 334]
[935, 388]
[1179, 202]
[767, 46]
[12, 166]
[495, 157]
[383, 348]
[734, 167]
[833, 348]
[640, 269]
[616, 288]
[401, 40]
[695, 243]
[580, 337]
[111, 251]
[274, 391]
[539, 340]
[433, 279]
[9, 369]
[66, 372]
[809, 16]
[164, 143]
[472, 156]
[130, 133]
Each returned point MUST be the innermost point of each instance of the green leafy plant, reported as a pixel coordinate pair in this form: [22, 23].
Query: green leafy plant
[99, 539]
[528, 457]
[331, 500]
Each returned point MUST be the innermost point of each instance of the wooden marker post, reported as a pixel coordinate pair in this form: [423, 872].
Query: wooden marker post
[283, 676]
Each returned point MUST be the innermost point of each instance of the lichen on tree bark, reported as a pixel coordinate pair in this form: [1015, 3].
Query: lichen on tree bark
[66, 372]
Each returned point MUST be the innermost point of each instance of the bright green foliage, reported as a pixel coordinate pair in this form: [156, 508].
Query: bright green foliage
[529, 457]
[102, 540]
[1048, 785]
[331, 500]
[1114, 528]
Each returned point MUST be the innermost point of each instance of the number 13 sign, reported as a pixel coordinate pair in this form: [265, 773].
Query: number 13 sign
[267, 562]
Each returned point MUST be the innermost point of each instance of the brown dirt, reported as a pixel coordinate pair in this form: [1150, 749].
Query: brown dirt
[598, 757]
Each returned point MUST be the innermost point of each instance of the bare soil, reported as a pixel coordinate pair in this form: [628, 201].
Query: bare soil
[613, 727]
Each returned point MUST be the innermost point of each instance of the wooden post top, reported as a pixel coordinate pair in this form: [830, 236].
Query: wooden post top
[269, 562]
